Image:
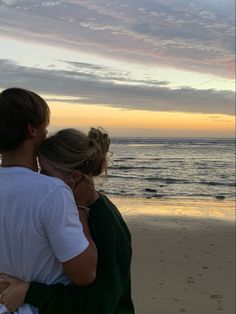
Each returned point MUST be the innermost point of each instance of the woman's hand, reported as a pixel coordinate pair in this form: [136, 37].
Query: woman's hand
[14, 294]
[83, 189]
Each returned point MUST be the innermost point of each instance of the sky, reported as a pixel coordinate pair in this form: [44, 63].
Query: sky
[134, 67]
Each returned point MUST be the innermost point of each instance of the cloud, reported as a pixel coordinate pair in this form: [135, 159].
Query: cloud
[195, 35]
[50, 3]
[92, 88]
[108, 74]
[8, 2]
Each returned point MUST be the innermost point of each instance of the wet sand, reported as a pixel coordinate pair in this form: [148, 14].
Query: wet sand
[183, 255]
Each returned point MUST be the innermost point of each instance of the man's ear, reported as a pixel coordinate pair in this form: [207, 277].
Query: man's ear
[75, 177]
[31, 130]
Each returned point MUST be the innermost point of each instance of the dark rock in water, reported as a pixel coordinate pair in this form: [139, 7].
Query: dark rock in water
[162, 186]
[220, 197]
[151, 190]
[154, 196]
[169, 180]
[158, 196]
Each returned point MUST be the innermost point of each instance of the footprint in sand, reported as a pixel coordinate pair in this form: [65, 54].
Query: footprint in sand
[219, 307]
[218, 298]
[190, 280]
[215, 296]
[220, 268]
[204, 267]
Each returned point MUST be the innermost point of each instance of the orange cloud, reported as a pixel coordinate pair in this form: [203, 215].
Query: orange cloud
[85, 116]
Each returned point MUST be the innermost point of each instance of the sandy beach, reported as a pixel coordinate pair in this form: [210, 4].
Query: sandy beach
[183, 255]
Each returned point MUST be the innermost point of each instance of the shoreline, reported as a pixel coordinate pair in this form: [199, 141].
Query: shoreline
[183, 255]
[187, 207]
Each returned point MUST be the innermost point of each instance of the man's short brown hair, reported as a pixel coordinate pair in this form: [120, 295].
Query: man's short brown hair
[19, 108]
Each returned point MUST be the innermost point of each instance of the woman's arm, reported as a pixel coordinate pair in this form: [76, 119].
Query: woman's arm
[54, 299]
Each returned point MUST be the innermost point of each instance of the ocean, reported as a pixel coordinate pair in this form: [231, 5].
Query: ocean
[171, 168]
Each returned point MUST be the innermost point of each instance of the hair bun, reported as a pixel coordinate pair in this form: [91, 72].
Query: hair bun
[100, 137]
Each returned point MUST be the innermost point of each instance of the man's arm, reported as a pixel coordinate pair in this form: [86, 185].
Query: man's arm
[101, 297]
[69, 236]
[3, 286]
[82, 268]
[84, 195]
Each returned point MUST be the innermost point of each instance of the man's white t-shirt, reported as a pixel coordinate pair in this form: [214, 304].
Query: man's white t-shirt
[39, 228]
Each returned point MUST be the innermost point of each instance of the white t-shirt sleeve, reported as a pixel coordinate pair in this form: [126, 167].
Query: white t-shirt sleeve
[61, 224]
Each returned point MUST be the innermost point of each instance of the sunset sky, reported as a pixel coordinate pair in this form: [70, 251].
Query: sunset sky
[134, 67]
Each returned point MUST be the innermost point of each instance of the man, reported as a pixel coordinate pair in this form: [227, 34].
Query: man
[41, 236]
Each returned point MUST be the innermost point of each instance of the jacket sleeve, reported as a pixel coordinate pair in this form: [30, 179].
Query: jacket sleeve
[60, 299]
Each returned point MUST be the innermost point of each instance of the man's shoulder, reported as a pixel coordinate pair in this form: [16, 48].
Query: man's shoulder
[49, 183]
[26, 177]
[35, 181]
[50, 190]
[49, 180]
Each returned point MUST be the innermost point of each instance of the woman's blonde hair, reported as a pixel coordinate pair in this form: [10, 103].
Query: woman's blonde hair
[70, 149]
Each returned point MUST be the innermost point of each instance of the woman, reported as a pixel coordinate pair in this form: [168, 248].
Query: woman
[76, 158]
